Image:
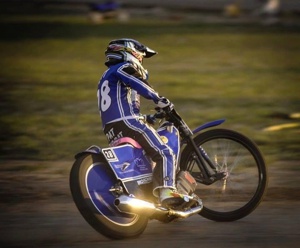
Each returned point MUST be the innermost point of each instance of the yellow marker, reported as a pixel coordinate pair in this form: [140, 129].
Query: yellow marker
[281, 126]
[295, 115]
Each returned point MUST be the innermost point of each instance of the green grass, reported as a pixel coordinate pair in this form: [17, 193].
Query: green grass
[50, 66]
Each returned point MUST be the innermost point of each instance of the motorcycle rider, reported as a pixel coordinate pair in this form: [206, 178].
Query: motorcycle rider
[119, 92]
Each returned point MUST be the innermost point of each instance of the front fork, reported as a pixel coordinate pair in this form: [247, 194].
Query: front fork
[209, 173]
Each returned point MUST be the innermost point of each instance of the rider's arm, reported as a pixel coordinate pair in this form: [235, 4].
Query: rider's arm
[130, 76]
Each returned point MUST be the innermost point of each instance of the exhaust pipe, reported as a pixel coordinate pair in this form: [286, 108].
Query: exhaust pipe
[132, 205]
[187, 213]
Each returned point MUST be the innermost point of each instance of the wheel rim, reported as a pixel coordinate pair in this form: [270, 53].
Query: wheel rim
[242, 182]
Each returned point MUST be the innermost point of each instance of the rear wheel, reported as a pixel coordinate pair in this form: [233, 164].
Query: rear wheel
[243, 187]
[90, 181]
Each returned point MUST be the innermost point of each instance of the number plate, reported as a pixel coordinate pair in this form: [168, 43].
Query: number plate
[110, 155]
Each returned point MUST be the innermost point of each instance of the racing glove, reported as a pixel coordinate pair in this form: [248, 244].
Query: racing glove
[164, 103]
[150, 119]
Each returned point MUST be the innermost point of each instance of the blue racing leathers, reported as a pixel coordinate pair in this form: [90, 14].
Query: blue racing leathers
[119, 92]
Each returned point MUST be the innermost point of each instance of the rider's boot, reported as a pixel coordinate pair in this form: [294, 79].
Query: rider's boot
[171, 198]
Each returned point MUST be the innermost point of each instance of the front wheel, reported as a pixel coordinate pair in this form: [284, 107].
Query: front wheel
[242, 189]
[90, 181]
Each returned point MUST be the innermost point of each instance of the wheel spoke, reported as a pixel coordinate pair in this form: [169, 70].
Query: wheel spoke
[241, 190]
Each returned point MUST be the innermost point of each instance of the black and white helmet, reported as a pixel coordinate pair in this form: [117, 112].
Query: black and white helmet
[128, 50]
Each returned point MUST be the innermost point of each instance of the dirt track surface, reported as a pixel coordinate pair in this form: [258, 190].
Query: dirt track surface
[37, 211]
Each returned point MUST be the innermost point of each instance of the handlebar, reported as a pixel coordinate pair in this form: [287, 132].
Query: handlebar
[170, 114]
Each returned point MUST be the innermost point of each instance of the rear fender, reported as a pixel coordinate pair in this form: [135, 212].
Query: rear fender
[128, 163]
[91, 150]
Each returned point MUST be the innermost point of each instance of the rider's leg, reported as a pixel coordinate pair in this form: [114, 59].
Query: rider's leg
[165, 169]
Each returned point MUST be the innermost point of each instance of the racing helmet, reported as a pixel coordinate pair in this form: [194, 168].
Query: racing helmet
[130, 50]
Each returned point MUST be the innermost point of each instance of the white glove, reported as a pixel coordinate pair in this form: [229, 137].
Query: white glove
[164, 103]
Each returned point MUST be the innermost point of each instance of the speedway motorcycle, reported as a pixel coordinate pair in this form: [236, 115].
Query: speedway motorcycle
[222, 172]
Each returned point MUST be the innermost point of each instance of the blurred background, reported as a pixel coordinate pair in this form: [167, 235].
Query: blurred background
[167, 8]
[237, 60]
[271, 11]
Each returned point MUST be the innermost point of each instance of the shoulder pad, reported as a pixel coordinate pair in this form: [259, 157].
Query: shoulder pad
[132, 70]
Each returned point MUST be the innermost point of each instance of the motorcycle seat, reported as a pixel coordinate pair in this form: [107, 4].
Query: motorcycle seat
[125, 140]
